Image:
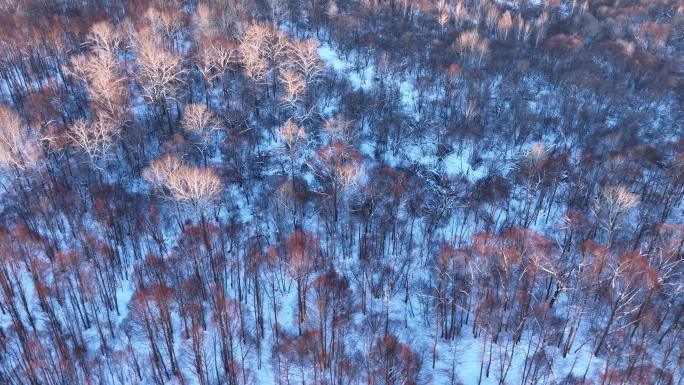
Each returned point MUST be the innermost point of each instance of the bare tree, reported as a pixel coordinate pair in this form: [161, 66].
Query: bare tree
[470, 110]
[293, 136]
[106, 86]
[301, 250]
[504, 25]
[279, 10]
[184, 184]
[532, 172]
[458, 12]
[331, 9]
[467, 42]
[293, 88]
[444, 14]
[339, 168]
[339, 129]
[203, 23]
[95, 138]
[253, 48]
[542, 26]
[202, 123]
[303, 56]
[481, 49]
[200, 120]
[223, 57]
[631, 275]
[523, 28]
[167, 22]
[615, 201]
[159, 71]
[104, 37]
[491, 17]
[17, 146]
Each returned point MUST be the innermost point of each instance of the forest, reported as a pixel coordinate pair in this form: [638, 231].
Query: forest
[338, 192]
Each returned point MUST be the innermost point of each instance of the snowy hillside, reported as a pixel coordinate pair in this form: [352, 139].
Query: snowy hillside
[342, 192]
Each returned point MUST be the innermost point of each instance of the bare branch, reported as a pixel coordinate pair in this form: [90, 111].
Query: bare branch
[185, 184]
[96, 138]
[17, 149]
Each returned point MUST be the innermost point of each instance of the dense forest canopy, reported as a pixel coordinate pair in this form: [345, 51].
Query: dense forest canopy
[342, 192]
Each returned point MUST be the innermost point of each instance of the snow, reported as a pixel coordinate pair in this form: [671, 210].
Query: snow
[361, 78]
[455, 164]
[411, 321]
[123, 297]
[461, 357]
